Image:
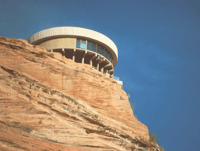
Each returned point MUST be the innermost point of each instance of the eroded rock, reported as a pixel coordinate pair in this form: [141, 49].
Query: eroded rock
[52, 103]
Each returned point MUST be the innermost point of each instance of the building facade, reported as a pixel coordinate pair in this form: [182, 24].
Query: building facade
[81, 45]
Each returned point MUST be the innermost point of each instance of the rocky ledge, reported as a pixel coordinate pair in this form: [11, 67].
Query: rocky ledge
[50, 103]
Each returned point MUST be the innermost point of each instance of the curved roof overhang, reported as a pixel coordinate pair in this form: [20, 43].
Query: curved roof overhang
[75, 32]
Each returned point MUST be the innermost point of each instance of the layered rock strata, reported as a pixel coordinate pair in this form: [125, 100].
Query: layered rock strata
[48, 102]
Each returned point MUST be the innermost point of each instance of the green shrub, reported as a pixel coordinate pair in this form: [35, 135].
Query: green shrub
[153, 138]
[135, 116]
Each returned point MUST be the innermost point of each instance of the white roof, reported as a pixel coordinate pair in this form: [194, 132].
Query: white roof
[75, 31]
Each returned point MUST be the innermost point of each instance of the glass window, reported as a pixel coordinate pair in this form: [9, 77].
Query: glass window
[78, 43]
[94, 47]
[103, 51]
[89, 46]
[98, 49]
[83, 44]
[106, 55]
[110, 59]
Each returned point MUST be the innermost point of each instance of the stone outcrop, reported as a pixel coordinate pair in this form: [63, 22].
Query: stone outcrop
[48, 102]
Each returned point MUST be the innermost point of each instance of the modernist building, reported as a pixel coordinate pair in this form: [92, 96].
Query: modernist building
[81, 45]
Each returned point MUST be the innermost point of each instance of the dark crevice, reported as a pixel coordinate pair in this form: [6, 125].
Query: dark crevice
[57, 112]
[8, 70]
[52, 141]
[4, 140]
[16, 47]
[52, 101]
[98, 123]
[42, 112]
[92, 146]
[44, 105]
[17, 126]
[41, 55]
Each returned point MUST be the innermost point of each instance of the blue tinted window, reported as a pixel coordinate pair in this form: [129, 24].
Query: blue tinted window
[83, 44]
[94, 47]
[89, 46]
[98, 49]
[106, 55]
[110, 59]
[102, 51]
[78, 43]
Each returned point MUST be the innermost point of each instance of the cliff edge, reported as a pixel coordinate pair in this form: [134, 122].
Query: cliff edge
[48, 102]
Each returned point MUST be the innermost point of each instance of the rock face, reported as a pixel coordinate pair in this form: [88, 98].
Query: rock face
[48, 102]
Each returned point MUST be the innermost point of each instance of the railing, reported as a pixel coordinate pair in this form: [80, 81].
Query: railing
[118, 80]
[115, 78]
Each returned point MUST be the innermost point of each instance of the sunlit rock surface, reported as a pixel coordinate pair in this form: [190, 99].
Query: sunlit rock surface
[48, 102]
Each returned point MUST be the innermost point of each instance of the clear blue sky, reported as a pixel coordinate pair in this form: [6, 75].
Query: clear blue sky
[159, 54]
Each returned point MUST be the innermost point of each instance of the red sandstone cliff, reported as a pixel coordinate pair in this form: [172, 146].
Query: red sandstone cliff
[52, 103]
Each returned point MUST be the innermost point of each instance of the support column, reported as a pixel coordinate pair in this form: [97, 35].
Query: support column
[51, 50]
[99, 63]
[111, 71]
[92, 59]
[63, 51]
[102, 69]
[83, 58]
[106, 73]
[73, 58]
[98, 66]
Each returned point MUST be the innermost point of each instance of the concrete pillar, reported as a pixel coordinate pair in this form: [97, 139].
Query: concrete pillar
[83, 58]
[106, 73]
[98, 66]
[92, 59]
[102, 70]
[63, 51]
[51, 50]
[96, 48]
[99, 63]
[73, 58]
[112, 70]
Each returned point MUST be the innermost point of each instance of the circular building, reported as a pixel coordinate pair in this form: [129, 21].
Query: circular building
[81, 45]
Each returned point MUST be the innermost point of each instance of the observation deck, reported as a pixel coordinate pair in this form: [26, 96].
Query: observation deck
[81, 45]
